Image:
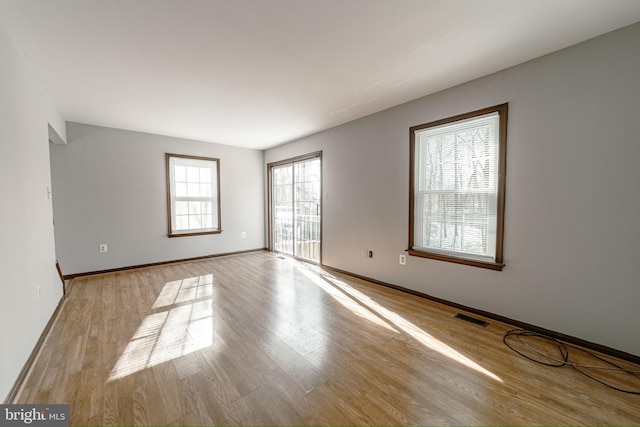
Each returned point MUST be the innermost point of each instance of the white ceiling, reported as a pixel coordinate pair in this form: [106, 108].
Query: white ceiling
[258, 73]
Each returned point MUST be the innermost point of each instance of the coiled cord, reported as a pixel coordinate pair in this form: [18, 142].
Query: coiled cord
[524, 337]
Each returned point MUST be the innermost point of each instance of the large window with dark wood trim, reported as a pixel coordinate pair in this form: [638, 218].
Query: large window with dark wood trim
[193, 195]
[457, 188]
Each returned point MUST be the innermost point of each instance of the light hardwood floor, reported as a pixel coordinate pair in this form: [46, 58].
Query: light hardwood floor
[258, 339]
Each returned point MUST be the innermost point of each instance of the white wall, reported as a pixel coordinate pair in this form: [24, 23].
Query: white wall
[27, 257]
[572, 233]
[110, 187]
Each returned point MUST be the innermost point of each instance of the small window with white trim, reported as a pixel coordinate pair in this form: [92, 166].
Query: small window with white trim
[193, 195]
[458, 184]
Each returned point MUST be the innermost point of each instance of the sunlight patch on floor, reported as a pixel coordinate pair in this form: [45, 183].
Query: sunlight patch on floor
[182, 327]
[184, 290]
[347, 302]
[381, 315]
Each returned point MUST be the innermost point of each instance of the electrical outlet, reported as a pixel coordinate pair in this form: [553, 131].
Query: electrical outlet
[402, 259]
[103, 247]
[243, 234]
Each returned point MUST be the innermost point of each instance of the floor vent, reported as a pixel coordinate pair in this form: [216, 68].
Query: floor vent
[471, 319]
[281, 257]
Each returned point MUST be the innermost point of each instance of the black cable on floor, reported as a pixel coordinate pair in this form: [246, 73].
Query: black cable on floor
[562, 359]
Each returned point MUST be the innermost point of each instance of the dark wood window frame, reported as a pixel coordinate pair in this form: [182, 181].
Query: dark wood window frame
[502, 111]
[270, 213]
[216, 227]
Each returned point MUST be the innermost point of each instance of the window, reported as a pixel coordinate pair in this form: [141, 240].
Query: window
[193, 195]
[457, 188]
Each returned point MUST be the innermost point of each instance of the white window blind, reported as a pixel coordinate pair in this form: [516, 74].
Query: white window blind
[456, 188]
[193, 195]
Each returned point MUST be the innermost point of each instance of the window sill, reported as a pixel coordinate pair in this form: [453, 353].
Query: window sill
[198, 233]
[470, 262]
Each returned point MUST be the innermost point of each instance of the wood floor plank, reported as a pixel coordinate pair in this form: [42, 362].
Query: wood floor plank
[214, 397]
[260, 339]
[269, 406]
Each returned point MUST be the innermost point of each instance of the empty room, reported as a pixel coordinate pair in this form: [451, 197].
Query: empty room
[319, 212]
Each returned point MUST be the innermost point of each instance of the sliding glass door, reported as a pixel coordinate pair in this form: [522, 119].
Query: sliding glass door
[296, 207]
